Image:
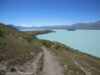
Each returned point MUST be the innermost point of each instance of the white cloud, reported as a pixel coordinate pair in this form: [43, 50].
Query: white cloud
[39, 25]
[24, 25]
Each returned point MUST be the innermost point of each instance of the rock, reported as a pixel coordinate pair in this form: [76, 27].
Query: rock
[13, 70]
[3, 65]
[32, 53]
[66, 67]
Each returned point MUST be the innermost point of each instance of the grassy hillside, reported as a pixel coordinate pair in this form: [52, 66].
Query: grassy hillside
[17, 46]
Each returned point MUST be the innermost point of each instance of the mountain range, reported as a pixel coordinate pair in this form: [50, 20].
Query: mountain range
[85, 26]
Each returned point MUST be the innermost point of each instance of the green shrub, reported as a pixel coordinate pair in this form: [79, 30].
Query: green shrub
[47, 44]
[2, 72]
[1, 33]
[29, 39]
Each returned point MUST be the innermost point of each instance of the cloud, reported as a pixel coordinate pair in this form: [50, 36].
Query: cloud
[39, 25]
[24, 25]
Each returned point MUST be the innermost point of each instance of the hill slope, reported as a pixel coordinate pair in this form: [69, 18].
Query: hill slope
[19, 48]
[15, 46]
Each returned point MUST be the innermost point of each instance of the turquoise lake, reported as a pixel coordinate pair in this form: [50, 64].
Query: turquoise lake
[87, 41]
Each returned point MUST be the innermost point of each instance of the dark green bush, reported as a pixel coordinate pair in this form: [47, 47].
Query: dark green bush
[29, 39]
[2, 72]
[1, 33]
[47, 44]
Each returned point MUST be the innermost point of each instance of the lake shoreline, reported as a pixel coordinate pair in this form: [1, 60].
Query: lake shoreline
[67, 40]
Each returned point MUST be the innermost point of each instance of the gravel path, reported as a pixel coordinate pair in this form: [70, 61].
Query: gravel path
[51, 65]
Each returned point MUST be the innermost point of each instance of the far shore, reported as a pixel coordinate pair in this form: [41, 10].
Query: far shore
[39, 32]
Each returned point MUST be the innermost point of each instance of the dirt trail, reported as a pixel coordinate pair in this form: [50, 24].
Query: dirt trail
[51, 65]
[29, 68]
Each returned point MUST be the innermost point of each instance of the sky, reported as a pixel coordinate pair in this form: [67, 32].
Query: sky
[49, 12]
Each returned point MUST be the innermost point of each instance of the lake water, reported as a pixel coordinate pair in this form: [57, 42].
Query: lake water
[84, 40]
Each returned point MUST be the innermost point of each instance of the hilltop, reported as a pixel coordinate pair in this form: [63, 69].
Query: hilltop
[21, 53]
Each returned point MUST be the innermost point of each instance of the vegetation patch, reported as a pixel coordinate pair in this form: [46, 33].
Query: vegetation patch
[16, 46]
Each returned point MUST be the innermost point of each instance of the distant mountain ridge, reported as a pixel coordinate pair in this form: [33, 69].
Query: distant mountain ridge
[85, 26]
[92, 26]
